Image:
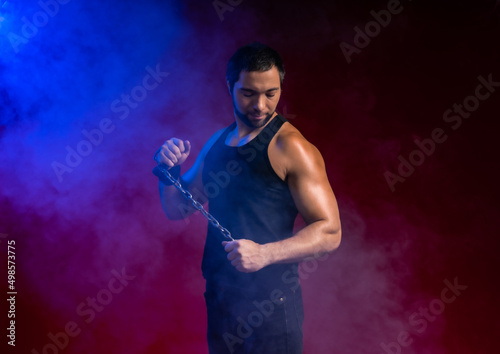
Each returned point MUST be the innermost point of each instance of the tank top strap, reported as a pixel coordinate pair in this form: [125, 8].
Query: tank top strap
[225, 133]
[269, 131]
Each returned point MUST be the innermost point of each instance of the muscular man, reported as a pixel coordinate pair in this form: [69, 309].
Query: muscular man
[256, 174]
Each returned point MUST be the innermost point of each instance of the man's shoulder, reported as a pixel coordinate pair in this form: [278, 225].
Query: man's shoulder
[289, 139]
[293, 151]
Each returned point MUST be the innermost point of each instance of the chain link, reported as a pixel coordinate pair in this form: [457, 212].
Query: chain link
[225, 232]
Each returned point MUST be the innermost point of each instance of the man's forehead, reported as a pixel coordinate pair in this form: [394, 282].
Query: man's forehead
[267, 78]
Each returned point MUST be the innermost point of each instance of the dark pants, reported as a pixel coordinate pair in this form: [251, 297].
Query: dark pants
[267, 323]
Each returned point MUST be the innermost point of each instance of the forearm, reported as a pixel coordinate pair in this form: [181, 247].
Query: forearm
[314, 240]
[174, 204]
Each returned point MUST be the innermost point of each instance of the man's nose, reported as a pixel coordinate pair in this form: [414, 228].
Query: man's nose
[260, 103]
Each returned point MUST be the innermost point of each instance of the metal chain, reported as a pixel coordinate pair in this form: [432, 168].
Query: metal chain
[225, 232]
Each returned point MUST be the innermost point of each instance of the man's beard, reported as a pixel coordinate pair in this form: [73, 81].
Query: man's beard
[252, 124]
[248, 122]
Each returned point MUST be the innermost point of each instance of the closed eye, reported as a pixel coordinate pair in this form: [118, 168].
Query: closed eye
[249, 93]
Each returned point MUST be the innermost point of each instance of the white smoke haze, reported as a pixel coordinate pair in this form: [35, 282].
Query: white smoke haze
[105, 214]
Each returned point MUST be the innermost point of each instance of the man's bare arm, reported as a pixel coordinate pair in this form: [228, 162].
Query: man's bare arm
[315, 201]
[171, 154]
[303, 167]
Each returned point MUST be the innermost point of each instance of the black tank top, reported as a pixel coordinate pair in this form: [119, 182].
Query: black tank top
[252, 202]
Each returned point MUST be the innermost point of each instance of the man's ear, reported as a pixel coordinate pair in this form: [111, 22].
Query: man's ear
[229, 88]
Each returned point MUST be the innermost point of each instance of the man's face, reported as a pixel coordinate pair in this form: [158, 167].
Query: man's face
[256, 95]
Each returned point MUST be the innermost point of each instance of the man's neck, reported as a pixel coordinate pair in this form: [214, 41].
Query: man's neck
[244, 133]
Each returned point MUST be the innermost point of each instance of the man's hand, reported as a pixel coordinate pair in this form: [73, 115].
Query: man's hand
[173, 152]
[246, 256]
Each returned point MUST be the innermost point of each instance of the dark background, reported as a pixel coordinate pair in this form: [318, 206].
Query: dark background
[74, 230]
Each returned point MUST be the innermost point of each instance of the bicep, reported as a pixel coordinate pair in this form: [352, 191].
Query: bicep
[310, 187]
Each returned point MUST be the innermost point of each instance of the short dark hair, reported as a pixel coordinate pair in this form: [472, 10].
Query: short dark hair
[253, 57]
